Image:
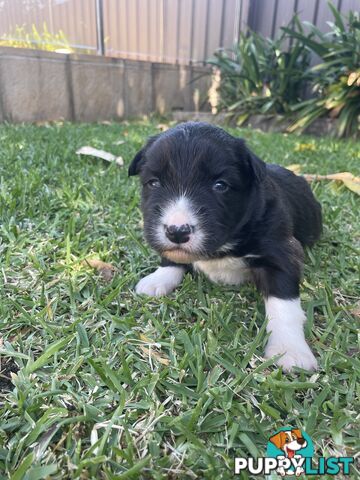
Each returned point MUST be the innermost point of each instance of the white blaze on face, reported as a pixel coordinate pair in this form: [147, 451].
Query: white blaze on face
[180, 212]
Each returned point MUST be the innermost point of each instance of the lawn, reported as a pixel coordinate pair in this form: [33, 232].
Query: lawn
[97, 382]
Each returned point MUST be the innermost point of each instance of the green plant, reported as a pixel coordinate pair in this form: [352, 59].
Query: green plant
[336, 80]
[22, 38]
[260, 75]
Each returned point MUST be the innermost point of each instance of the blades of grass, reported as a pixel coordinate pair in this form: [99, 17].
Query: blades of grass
[270, 411]
[135, 470]
[114, 378]
[180, 390]
[23, 468]
[250, 376]
[38, 473]
[228, 366]
[250, 445]
[253, 346]
[109, 426]
[82, 335]
[100, 369]
[213, 423]
[50, 417]
[51, 350]
[141, 246]
[293, 385]
[8, 353]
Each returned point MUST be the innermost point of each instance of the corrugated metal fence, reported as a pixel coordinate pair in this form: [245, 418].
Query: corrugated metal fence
[170, 31]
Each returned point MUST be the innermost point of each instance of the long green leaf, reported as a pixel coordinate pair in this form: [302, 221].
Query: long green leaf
[49, 352]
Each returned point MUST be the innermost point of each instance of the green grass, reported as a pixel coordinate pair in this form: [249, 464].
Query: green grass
[81, 397]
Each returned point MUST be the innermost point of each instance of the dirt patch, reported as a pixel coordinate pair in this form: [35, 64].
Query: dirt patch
[7, 366]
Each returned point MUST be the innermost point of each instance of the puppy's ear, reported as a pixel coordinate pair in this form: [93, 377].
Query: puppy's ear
[278, 440]
[139, 159]
[255, 167]
[136, 163]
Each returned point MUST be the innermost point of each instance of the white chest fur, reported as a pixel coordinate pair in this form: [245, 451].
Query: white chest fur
[227, 270]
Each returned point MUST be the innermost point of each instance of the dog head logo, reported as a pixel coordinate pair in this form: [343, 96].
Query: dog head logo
[290, 446]
[290, 441]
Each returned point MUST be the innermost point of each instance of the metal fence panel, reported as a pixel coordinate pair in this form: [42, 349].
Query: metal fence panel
[262, 16]
[199, 26]
[213, 28]
[229, 22]
[284, 13]
[185, 36]
[172, 31]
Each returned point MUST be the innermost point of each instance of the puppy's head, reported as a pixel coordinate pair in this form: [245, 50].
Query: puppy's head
[289, 441]
[198, 186]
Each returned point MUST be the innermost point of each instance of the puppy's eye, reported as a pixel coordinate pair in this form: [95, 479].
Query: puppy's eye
[220, 186]
[153, 183]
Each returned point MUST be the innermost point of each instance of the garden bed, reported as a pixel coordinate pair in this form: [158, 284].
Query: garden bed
[100, 383]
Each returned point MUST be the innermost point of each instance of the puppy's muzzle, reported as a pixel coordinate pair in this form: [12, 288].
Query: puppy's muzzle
[178, 233]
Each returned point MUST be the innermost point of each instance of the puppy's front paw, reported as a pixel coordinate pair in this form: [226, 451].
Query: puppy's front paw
[293, 355]
[162, 282]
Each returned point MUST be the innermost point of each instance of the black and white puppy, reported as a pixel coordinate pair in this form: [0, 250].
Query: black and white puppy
[211, 205]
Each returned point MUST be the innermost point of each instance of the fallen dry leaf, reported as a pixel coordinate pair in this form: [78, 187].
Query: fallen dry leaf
[356, 311]
[347, 178]
[150, 351]
[119, 142]
[155, 355]
[295, 168]
[354, 77]
[162, 127]
[106, 270]
[94, 152]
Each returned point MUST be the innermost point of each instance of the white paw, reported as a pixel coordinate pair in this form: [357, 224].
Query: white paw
[162, 282]
[293, 355]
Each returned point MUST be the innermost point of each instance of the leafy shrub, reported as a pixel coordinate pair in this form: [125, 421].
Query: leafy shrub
[336, 80]
[260, 75]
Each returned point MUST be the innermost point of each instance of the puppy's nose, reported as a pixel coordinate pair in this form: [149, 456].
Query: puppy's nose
[301, 441]
[178, 233]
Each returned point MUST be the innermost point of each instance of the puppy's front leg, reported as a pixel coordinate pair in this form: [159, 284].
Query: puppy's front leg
[279, 279]
[285, 325]
[163, 281]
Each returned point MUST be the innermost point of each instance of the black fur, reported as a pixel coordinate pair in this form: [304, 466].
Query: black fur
[268, 212]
